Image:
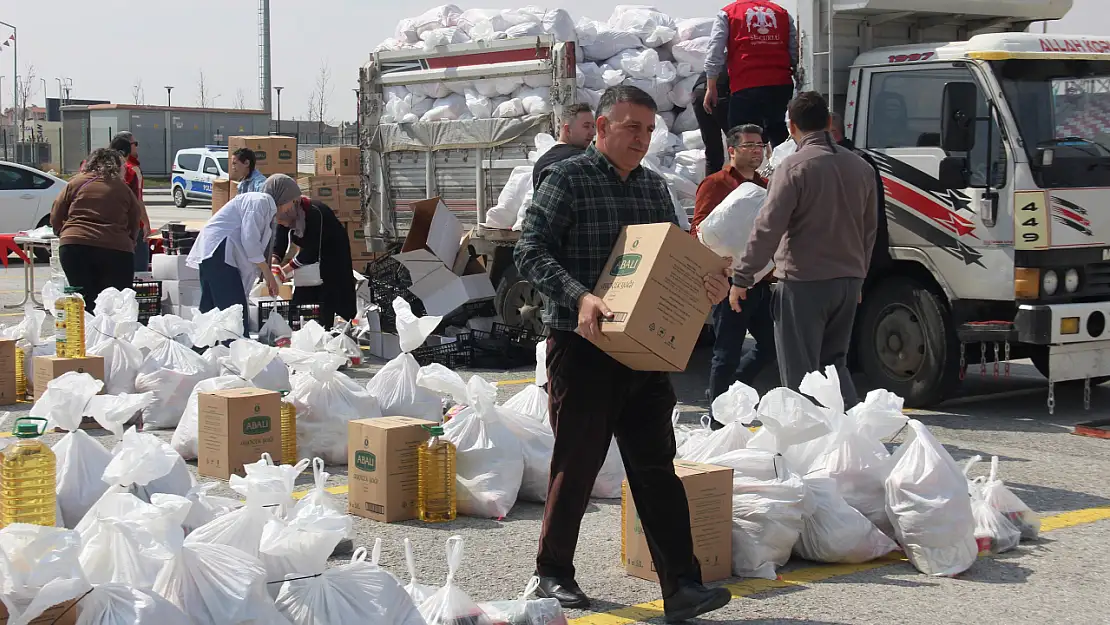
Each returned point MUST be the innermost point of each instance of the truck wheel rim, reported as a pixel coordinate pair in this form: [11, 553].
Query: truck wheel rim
[900, 342]
[523, 307]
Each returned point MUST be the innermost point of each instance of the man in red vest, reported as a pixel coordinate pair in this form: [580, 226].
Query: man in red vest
[756, 43]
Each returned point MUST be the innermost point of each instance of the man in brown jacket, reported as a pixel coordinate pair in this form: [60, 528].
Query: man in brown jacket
[820, 217]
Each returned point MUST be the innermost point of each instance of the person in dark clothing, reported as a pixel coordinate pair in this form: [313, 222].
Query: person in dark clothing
[880, 253]
[576, 132]
[577, 214]
[323, 241]
[712, 124]
[128, 147]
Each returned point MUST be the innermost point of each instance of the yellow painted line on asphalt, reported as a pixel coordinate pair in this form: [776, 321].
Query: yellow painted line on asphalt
[335, 490]
[814, 574]
[513, 382]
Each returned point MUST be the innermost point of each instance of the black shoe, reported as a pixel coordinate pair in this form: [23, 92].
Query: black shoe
[566, 591]
[694, 600]
[716, 425]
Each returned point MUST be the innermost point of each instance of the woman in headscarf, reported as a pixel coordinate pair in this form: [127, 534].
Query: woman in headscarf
[231, 250]
[97, 219]
[321, 270]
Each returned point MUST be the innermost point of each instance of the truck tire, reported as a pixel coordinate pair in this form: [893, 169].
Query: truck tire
[906, 342]
[1040, 361]
[518, 302]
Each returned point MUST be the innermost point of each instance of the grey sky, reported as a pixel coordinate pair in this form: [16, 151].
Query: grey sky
[171, 44]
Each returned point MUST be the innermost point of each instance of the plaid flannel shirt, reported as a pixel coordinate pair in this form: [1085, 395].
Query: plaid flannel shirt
[576, 215]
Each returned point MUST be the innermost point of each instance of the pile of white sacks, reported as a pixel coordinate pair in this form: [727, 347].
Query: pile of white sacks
[637, 46]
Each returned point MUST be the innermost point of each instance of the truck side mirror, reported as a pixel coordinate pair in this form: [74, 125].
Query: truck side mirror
[959, 111]
[953, 173]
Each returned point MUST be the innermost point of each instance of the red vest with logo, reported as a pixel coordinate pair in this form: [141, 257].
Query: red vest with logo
[758, 45]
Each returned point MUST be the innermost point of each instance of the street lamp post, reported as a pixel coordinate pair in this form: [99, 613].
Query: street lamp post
[15, 68]
[278, 89]
[169, 101]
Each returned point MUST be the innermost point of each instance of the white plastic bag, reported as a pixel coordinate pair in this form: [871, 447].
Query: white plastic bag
[733, 408]
[693, 140]
[205, 508]
[683, 93]
[526, 608]
[694, 28]
[450, 604]
[1001, 498]
[121, 364]
[276, 330]
[218, 325]
[605, 41]
[651, 26]
[447, 108]
[726, 230]
[994, 533]
[419, 592]
[170, 372]
[530, 402]
[443, 37]
[781, 151]
[637, 63]
[836, 532]
[146, 465]
[213, 584]
[589, 76]
[39, 568]
[928, 503]
[503, 215]
[609, 479]
[395, 385]
[537, 442]
[490, 460]
[80, 461]
[120, 604]
[690, 164]
[62, 403]
[114, 412]
[300, 546]
[479, 105]
[326, 400]
[692, 51]
[127, 541]
[512, 107]
[268, 484]
[536, 100]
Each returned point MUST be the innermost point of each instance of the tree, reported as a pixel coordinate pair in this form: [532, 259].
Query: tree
[25, 88]
[138, 95]
[205, 98]
[240, 99]
[318, 101]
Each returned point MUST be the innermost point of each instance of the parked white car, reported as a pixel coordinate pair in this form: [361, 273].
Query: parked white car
[194, 171]
[26, 197]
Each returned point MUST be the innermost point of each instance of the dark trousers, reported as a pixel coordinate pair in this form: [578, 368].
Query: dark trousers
[593, 398]
[221, 286]
[142, 255]
[765, 106]
[730, 363]
[93, 269]
[713, 127]
[813, 329]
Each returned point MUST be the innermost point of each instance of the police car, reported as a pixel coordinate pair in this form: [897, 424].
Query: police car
[194, 170]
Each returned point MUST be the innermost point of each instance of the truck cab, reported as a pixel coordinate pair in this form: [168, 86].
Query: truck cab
[993, 156]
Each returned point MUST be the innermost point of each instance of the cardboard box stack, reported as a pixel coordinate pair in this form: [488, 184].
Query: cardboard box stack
[338, 183]
[180, 284]
[382, 467]
[223, 190]
[64, 613]
[274, 154]
[7, 372]
[236, 427]
[709, 493]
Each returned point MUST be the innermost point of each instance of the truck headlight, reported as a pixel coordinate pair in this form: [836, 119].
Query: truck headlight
[1071, 281]
[1050, 282]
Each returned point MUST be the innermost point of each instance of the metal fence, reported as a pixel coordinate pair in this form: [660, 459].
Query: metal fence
[32, 149]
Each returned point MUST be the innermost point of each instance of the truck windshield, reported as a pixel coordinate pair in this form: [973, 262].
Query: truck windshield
[1062, 108]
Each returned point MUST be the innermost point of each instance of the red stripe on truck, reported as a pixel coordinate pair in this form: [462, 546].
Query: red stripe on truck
[487, 58]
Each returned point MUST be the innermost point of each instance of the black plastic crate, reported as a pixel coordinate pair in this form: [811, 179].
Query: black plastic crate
[457, 353]
[265, 307]
[389, 270]
[304, 313]
[500, 351]
[148, 294]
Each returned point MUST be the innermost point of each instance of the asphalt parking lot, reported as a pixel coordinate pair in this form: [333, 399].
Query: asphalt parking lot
[1060, 579]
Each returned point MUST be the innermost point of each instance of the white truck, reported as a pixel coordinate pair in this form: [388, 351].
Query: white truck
[992, 144]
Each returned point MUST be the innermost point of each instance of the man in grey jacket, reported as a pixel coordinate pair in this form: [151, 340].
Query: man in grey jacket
[820, 217]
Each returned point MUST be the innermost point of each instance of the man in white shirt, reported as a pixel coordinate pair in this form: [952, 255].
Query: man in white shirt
[231, 249]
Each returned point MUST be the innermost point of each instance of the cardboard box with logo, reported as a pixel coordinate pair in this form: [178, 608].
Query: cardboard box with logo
[47, 368]
[342, 160]
[274, 154]
[7, 372]
[382, 467]
[236, 427]
[709, 494]
[223, 190]
[64, 613]
[357, 238]
[343, 194]
[654, 284]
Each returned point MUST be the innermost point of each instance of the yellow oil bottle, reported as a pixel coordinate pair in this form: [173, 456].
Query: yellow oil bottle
[27, 478]
[60, 327]
[75, 324]
[20, 373]
[435, 500]
[288, 431]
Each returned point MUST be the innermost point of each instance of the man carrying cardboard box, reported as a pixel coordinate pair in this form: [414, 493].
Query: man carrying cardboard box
[577, 215]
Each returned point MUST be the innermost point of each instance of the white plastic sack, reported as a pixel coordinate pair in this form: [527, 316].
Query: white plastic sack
[443, 37]
[657, 88]
[537, 442]
[559, 23]
[611, 76]
[170, 372]
[326, 400]
[479, 105]
[62, 402]
[216, 326]
[781, 151]
[928, 503]
[147, 466]
[442, 16]
[419, 592]
[127, 541]
[651, 26]
[589, 76]
[523, 212]
[543, 143]
[490, 460]
[733, 408]
[692, 51]
[300, 546]
[121, 364]
[686, 122]
[592, 97]
[119, 604]
[536, 100]
[726, 230]
[690, 164]
[187, 433]
[213, 584]
[39, 568]
[609, 479]
[503, 215]
[114, 412]
[1001, 498]
[80, 461]
[395, 385]
[450, 604]
[606, 42]
[693, 28]
[994, 533]
[683, 92]
[637, 63]
[450, 107]
[268, 484]
[310, 338]
[530, 402]
[510, 108]
[836, 532]
[205, 508]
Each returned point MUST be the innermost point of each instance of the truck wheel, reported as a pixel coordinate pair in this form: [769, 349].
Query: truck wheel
[518, 303]
[907, 344]
[179, 199]
[1040, 361]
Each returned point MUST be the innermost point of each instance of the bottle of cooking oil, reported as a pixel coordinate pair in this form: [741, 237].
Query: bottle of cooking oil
[60, 327]
[27, 477]
[436, 478]
[20, 373]
[288, 430]
[75, 323]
